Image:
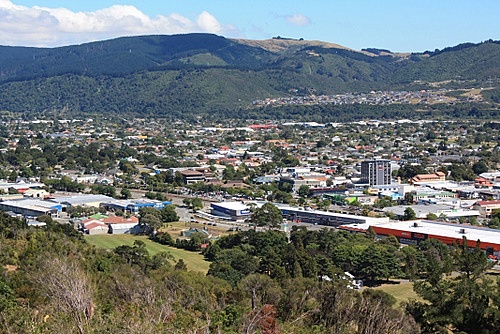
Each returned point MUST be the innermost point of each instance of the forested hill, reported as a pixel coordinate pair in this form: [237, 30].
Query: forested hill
[204, 73]
[127, 55]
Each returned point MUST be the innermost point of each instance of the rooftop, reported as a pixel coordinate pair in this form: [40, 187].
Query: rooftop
[439, 229]
[231, 205]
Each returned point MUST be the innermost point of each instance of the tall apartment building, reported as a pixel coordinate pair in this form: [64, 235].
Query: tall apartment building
[376, 172]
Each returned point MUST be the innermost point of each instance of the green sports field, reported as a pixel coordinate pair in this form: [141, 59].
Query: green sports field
[403, 292]
[193, 260]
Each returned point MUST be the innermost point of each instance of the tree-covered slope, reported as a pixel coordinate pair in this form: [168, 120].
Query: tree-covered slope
[475, 62]
[197, 74]
[126, 55]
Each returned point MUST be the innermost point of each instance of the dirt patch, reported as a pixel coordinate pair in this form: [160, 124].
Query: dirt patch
[10, 268]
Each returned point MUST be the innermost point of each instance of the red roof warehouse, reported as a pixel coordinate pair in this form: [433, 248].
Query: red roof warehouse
[412, 232]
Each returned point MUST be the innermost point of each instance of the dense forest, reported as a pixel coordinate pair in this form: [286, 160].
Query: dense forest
[201, 74]
[53, 281]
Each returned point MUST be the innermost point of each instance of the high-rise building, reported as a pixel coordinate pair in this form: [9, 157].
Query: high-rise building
[376, 172]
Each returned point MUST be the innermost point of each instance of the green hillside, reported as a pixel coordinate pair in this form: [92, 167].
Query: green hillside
[203, 74]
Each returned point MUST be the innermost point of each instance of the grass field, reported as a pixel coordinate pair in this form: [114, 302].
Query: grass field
[402, 291]
[194, 261]
[175, 228]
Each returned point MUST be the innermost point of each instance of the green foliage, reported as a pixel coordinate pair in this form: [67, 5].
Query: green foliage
[125, 193]
[194, 242]
[168, 214]
[267, 215]
[163, 238]
[103, 190]
[408, 171]
[65, 184]
[383, 202]
[480, 167]
[462, 301]
[197, 203]
[180, 265]
[409, 214]
[257, 281]
[232, 265]
[200, 75]
[380, 262]
[152, 221]
[461, 172]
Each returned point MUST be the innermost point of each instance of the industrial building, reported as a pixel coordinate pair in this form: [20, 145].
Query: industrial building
[440, 210]
[415, 231]
[233, 210]
[133, 205]
[307, 215]
[239, 211]
[20, 186]
[31, 207]
[88, 200]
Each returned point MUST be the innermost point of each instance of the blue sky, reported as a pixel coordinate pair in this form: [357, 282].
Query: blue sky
[395, 25]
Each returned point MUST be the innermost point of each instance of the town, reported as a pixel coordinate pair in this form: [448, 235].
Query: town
[442, 171]
[422, 97]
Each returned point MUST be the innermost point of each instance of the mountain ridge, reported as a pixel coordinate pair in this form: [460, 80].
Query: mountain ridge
[206, 73]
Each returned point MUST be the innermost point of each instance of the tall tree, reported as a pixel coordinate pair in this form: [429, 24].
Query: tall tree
[462, 301]
[409, 214]
[267, 215]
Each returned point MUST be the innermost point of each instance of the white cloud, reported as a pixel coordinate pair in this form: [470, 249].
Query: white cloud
[208, 22]
[42, 26]
[298, 19]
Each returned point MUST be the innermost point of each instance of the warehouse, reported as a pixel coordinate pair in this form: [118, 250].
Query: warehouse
[133, 205]
[233, 210]
[308, 215]
[240, 211]
[412, 232]
[31, 207]
[87, 200]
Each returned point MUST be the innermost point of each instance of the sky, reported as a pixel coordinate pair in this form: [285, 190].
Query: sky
[396, 25]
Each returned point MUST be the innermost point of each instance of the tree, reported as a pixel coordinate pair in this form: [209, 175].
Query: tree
[267, 215]
[480, 167]
[262, 289]
[180, 265]
[371, 234]
[69, 286]
[409, 214]
[151, 221]
[163, 238]
[187, 202]
[380, 261]
[324, 204]
[135, 255]
[233, 264]
[304, 191]
[384, 202]
[409, 198]
[125, 193]
[168, 214]
[229, 173]
[431, 216]
[103, 190]
[465, 301]
[197, 203]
